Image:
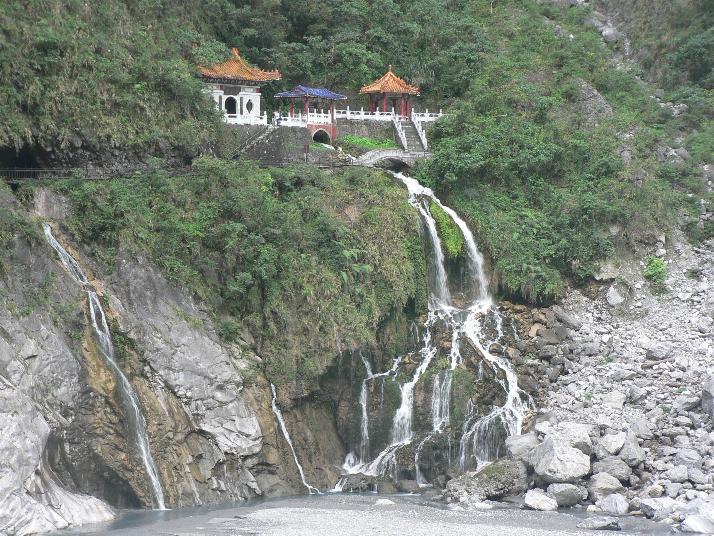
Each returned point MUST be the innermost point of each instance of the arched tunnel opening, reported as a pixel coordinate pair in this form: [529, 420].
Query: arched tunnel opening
[394, 164]
[321, 136]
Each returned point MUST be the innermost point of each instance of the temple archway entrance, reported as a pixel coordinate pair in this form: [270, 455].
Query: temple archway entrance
[230, 105]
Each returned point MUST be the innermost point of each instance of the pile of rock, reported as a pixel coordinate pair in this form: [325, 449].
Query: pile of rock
[637, 372]
[568, 463]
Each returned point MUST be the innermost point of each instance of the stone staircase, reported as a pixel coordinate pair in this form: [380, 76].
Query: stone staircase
[414, 144]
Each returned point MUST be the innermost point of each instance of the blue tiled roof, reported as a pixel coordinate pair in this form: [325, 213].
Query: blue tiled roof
[315, 92]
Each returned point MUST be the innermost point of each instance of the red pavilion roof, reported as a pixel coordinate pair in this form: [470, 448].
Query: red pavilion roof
[237, 69]
[390, 83]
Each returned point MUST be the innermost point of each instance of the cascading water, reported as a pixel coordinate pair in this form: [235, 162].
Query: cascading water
[136, 423]
[279, 415]
[482, 436]
[364, 425]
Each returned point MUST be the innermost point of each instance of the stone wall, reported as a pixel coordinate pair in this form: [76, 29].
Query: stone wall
[370, 129]
[286, 145]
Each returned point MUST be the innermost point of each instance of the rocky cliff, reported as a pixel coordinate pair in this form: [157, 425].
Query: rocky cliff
[207, 407]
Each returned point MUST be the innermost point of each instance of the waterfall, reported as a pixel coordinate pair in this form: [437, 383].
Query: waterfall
[279, 415]
[364, 425]
[482, 437]
[136, 422]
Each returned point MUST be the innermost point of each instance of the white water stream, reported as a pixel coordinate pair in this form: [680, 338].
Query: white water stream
[482, 436]
[136, 423]
[279, 415]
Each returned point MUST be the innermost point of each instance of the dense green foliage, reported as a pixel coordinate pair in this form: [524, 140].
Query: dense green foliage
[536, 170]
[539, 176]
[123, 72]
[656, 273]
[296, 256]
[452, 241]
[108, 74]
[363, 143]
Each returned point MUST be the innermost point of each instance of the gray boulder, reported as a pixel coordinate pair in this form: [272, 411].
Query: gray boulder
[610, 444]
[615, 503]
[576, 434]
[610, 34]
[658, 508]
[602, 485]
[613, 466]
[658, 351]
[613, 297]
[537, 499]
[495, 481]
[685, 403]
[688, 457]
[520, 447]
[697, 476]
[708, 396]
[631, 453]
[641, 428]
[698, 523]
[600, 523]
[678, 473]
[566, 494]
[699, 516]
[556, 461]
[566, 318]
[614, 399]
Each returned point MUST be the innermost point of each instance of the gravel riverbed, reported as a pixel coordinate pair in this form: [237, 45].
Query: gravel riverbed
[348, 515]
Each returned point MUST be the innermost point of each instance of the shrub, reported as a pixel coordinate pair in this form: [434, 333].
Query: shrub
[361, 144]
[656, 273]
[452, 240]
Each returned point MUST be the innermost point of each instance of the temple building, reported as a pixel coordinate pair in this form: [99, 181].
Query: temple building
[235, 87]
[390, 87]
[317, 119]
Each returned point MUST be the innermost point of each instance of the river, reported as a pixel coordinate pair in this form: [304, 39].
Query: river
[355, 515]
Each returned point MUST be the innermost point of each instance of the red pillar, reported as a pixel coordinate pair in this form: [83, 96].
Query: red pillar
[401, 106]
[371, 103]
[409, 105]
[332, 112]
[291, 106]
[384, 102]
[305, 107]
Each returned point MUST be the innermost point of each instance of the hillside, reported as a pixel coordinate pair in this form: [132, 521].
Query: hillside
[194, 327]
[527, 151]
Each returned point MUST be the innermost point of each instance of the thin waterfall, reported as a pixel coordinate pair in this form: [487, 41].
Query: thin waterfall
[363, 401]
[279, 415]
[364, 428]
[136, 422]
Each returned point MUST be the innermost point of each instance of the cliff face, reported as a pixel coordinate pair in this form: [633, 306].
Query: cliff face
[207, 409]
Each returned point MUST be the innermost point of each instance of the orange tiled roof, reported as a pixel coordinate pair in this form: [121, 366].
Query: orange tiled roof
[237, 69]
[390, 83]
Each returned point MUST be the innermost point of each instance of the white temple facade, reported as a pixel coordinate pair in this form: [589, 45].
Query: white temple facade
[240, 104]
[235, 87]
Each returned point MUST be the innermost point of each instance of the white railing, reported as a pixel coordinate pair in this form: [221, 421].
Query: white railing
[426, 116]
[322, 117]
[238, 119]
[400, 132]
[361, 115]
[420, 131]
[313, 117]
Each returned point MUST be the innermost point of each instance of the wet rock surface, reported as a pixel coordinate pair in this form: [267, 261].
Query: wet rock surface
[495, 481]
[42, 393]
